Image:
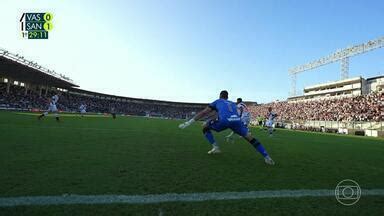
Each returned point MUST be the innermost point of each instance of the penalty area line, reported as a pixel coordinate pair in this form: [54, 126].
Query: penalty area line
[169, 197]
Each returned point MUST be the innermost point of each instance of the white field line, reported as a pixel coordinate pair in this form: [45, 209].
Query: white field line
[170, 197]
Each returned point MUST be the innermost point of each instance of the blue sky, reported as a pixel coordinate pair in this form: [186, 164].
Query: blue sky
[184, 50]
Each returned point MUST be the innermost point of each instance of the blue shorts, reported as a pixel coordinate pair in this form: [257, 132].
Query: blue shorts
[236, 126]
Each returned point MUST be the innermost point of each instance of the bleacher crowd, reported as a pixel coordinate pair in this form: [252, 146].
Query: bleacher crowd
[361, 108]
[70, 102]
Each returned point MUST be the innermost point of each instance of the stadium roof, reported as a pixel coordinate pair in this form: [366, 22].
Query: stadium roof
[333, 83]
[375, 77]
[18, 68]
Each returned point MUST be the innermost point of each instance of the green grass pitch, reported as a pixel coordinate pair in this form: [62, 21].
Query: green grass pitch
[97, 155]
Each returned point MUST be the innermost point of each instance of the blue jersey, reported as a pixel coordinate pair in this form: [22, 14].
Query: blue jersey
[228, 117]
[226, 110]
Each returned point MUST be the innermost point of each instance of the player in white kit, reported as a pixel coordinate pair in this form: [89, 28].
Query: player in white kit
[270, 120]
[52, 107]
[244, 114]
[83, 109]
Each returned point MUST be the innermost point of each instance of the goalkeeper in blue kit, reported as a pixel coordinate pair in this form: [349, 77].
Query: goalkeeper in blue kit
[228, 118]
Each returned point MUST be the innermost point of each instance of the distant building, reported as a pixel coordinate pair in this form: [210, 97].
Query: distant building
[343, 88]
[375, 84]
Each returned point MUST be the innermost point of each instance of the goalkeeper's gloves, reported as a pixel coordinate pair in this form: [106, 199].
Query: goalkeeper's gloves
[186, 124]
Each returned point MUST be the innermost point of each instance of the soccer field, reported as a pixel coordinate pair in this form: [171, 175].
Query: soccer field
[98, 155]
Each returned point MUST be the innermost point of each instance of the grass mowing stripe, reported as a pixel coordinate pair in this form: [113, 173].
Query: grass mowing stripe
[170, 197]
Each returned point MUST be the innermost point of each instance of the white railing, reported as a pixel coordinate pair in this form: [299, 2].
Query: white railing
[356, 125]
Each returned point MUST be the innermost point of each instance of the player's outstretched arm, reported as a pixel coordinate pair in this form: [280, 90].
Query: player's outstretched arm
[197, 117]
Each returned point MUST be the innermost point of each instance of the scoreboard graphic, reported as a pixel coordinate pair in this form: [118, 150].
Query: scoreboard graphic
[36, 25]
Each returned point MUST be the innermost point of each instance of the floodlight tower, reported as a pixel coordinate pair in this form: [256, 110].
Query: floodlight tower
[340, 55]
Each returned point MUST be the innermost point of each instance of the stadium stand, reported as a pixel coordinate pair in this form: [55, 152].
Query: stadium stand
[26, 86]
[361, 108]
[70, 102]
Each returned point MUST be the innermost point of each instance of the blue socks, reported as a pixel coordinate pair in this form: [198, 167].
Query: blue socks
[209, 136]
[260, 148]
[254, 142]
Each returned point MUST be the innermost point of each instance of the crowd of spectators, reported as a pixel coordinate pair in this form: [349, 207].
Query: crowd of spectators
[360, 108]
[69, 102]
[16, 98]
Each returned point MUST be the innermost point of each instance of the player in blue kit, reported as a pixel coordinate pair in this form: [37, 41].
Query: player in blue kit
[228, 118]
